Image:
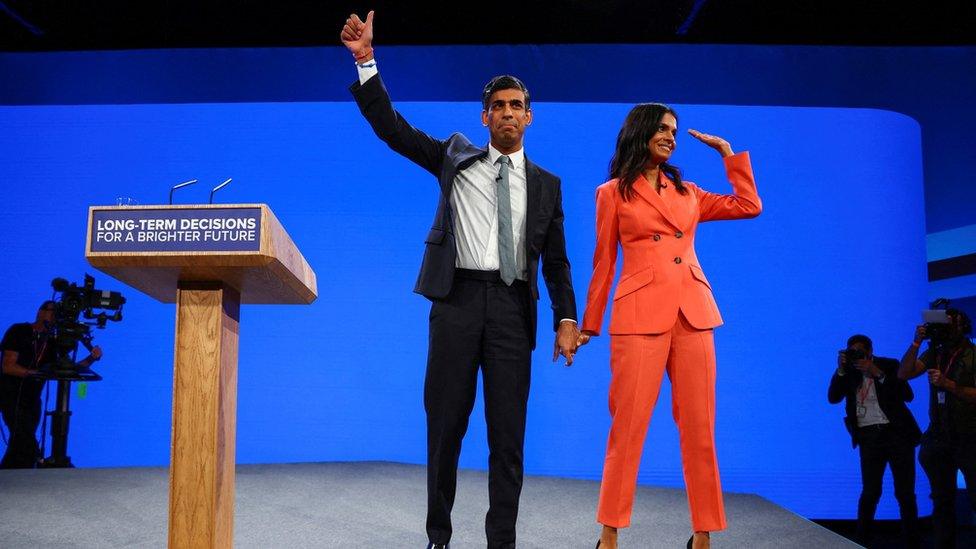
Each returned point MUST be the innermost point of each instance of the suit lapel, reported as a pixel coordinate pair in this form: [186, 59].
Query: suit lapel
[533, 192]
[646, 190]
[466, 156]
[461, 154]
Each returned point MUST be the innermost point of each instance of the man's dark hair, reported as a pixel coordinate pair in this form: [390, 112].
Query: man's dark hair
[47, 304]
[862, 339]
[503, 82]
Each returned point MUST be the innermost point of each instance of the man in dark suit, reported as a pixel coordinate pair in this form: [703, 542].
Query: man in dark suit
[498, 214]
[881, 424]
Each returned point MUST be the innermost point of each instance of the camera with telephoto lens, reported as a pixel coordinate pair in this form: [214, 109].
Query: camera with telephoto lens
[851, 356]
[936, 322]
[76, 310]
[937, 332]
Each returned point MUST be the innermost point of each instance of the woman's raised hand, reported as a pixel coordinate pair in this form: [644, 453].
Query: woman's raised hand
[713, 141]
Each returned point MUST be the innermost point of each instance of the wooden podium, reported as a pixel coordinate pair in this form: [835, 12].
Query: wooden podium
[208, 259]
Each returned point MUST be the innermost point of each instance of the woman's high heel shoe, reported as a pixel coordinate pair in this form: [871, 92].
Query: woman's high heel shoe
[691, 539]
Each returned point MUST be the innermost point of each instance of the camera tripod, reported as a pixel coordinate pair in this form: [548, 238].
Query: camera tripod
[61, 415]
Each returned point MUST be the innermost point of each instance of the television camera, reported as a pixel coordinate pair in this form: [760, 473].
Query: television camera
[77, 310]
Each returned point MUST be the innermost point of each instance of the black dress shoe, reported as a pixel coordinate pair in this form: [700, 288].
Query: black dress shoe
[433, 545]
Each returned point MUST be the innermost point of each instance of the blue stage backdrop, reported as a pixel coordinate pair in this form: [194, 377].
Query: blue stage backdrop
[839, 249]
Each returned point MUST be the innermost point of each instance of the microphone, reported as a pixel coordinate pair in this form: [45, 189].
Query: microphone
[218, 187]
[179, 186]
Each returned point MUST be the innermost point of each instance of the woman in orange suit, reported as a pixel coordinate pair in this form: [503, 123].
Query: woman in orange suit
[663, 311]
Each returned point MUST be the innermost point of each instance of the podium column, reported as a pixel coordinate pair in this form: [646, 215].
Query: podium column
[201, 490]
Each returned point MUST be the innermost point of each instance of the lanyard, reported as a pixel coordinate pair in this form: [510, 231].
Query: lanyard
[864, 389]
[948, 365]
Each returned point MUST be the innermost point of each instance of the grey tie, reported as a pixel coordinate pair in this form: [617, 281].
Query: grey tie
[506, 248]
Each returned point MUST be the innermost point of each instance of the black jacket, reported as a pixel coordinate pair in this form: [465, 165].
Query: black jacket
[892, 396]
[544, 236]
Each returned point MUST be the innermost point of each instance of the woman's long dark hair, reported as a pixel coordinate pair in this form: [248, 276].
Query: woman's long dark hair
[632, 154]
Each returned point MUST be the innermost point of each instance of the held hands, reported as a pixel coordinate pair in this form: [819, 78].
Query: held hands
[581, 338]
[566, 342]
[357, 36]
[713, 141]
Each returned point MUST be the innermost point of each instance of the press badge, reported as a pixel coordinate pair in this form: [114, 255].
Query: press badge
[941, 396]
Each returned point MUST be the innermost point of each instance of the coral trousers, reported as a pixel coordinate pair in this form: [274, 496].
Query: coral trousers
[637, 364]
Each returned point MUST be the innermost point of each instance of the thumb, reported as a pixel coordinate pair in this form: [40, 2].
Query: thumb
[369, 19]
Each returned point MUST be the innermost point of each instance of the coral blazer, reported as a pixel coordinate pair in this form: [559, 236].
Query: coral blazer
[661, 275]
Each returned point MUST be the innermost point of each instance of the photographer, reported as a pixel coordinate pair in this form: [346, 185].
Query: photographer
[25, 349]
[949, 444]
[882, 426]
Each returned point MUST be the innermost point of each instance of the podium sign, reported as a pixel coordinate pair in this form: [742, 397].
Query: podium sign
[176, 230]
[208, 260]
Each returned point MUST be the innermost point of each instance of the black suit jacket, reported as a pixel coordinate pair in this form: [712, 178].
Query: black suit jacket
[892, 396]
[544, 234]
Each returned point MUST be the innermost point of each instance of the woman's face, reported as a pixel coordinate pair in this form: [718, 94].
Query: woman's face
[663, 141]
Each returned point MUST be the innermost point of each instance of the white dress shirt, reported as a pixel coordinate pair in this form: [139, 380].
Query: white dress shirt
[474, 204]
[868, 408]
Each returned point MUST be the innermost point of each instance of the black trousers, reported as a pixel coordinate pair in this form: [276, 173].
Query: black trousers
[941, 459]
[483, 324]
[21, 415]
[882, 446]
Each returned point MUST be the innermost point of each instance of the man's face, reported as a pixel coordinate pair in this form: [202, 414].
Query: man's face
[664, 140]
[506, 118]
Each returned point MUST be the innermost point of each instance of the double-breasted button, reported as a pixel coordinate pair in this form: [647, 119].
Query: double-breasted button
[656, 237]
[677, 260]
[679, 234]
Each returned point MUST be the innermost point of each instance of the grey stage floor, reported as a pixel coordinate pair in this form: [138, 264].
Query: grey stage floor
[362, 505]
